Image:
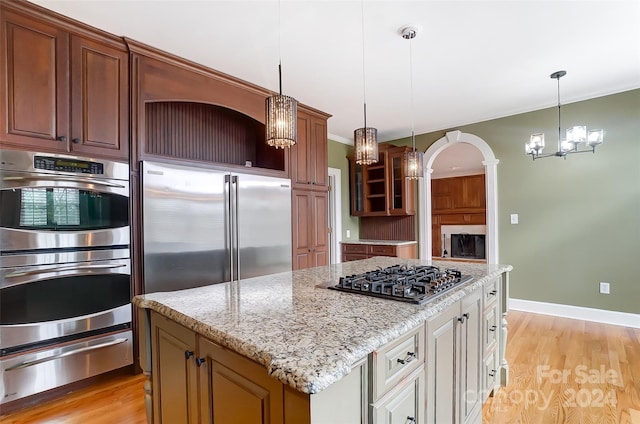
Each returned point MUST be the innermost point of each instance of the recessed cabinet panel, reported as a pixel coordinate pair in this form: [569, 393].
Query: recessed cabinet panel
[34, 82]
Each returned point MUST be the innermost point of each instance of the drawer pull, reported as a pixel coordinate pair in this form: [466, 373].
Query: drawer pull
[411, 420]
[493, 292]
[410, 357]
[492, 373]
[188, 354]
[463, 317]
[200, 361]
[493, 328]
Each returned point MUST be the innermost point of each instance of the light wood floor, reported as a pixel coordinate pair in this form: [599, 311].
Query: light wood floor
[549, 359]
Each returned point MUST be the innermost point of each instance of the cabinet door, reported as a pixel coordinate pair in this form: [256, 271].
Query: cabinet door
[99, 99]
[310, 229]
[175, 385]
[318, 161]
[403, 405]
[320, 228]
[309, 169]
[401, 190]
[470, 356]
[442, 357]
[34, 84]
[234, 389]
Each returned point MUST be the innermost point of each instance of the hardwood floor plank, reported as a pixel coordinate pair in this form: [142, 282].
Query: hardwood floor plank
[562, 371]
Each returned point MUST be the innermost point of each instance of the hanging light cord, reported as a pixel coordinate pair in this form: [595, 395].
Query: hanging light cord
[559, 123]
[279, 49]
[364, 83]
[413, 118]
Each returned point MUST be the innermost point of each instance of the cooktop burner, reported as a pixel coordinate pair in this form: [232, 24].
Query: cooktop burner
[414, 284]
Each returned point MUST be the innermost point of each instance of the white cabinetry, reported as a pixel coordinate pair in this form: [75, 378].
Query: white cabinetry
[396, 382]
[490, 335]
[454, 363]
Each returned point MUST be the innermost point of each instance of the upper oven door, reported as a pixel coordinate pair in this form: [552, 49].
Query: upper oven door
[41, 210]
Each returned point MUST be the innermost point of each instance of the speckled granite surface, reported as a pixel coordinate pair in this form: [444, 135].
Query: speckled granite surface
[380, 242]
[305, 334]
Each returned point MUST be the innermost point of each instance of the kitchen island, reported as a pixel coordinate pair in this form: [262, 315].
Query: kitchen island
[284, 348]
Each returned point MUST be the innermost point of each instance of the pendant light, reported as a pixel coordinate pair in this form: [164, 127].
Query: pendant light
[281, 121]
[365, 140]
[576, 136]
[413, 159]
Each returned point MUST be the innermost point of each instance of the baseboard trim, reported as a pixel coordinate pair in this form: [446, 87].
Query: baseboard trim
[624, 319]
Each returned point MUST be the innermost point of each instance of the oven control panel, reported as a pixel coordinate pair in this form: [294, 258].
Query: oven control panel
[67, 165]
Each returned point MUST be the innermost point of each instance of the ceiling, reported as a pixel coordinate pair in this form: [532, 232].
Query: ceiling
[472, 61]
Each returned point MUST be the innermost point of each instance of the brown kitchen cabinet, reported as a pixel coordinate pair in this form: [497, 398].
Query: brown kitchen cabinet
[310, 229]
[356, 251]
[381, 189]
[64, 91]
[309, 161]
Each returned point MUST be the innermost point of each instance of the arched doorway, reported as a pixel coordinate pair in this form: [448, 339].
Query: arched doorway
[424, 192]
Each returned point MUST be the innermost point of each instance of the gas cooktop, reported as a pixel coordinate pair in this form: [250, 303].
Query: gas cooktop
[413, 284]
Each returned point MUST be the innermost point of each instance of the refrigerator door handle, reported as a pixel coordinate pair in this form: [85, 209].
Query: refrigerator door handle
[236, 241]
[229, 225]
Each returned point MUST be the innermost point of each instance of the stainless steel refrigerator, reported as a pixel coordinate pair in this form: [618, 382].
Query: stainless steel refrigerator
[203, 226]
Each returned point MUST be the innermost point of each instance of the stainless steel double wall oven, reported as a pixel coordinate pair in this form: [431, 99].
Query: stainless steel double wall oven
[65, 272]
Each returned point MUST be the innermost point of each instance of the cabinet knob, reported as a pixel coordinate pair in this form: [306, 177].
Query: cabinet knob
[410, 420]
[188, 354]
[493, 328]
[492, 373]
[200, 361]
[76, 140]
[493, 292]
[61, 138]
[410, 357]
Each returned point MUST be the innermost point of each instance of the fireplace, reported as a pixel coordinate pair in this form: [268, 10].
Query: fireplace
[465, 241]
[468, 246]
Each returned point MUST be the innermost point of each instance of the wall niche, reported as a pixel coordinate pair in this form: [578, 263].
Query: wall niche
[205, 132]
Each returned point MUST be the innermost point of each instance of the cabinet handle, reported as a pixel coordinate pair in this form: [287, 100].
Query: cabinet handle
[493, 328]
[76, 140]
[200, 361]
[188, 354]
[411, 420]
[493, 292]
[463, 317]
[492, 373]
[410, 357]
[61, 138]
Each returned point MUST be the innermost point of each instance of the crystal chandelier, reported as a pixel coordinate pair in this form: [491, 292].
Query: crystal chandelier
[413, 159]
[281, 119]
[365, 140]
[576, 137]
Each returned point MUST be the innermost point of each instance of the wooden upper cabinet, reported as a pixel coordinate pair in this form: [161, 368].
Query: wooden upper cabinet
[381, 189]
[310, 229]
[309, 167]
[34, 86]
[62, 92]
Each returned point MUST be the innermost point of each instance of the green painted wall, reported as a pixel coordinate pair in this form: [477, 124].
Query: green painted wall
[338, 159]
[579, 217]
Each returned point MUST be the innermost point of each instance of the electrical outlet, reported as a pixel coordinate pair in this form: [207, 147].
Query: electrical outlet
[604, 288]
[348, 233]
[514, 218]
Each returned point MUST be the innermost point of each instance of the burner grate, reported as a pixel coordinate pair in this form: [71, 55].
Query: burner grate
[414, 284]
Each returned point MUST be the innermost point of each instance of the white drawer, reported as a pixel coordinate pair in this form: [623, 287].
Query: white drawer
[394, 361]
[491, 291]
[490, 328]
[404, 404]
[490, 374]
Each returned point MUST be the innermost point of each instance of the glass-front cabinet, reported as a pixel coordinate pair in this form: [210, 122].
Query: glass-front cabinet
[381, 189]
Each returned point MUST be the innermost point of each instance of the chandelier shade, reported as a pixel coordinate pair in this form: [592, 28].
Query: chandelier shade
[366, 145]
[413, 160]
[577, 139]
[281, 125]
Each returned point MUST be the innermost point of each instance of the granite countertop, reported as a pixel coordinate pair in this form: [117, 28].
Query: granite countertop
[306, 335]
[380, 242]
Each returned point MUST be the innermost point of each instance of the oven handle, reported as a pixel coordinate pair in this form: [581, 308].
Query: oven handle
[62, 268]
[27, 364]
[64, 179]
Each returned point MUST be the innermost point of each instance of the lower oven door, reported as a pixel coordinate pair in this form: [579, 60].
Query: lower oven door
[49, 298]
[27, 374]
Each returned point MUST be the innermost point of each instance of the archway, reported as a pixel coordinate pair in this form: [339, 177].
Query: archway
[424, 192]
